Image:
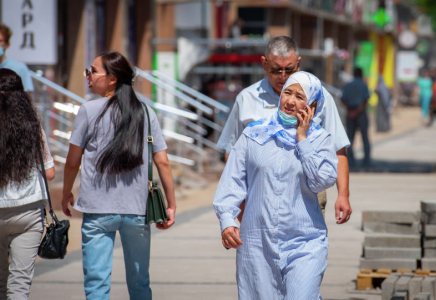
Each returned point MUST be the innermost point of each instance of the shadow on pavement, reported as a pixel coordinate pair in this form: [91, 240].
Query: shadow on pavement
[380, 166]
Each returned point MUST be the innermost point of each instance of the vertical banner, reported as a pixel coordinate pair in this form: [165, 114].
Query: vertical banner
[166, 63]
[389, 63]
[374, 71]
[364, 57]
[34, 27]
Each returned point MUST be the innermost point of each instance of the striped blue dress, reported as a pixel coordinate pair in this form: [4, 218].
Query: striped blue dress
[285, 244]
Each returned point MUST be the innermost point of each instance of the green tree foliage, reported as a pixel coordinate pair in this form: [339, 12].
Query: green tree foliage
[429, 8]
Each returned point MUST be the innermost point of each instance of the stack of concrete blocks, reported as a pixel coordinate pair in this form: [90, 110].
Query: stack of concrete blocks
[428, 208]
[392, 240]
[422, 296]
[407, 287]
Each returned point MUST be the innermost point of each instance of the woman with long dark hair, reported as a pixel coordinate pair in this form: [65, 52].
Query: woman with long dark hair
[22, 194]
[108, 142]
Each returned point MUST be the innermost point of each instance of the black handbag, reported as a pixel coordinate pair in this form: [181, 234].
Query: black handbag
[156, 210]
[54, 243]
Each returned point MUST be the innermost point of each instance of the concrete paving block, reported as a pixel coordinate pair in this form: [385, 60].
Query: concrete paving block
[429, 242]
[422, 296]
[392, 240]
[400, 295]
[381, 227]
[375, 252]
[428, 206]
[428, 264]
[402, 283]
[391, 263]
[401, 217]
[388, 285]
[415, 287]
[428, 286]
[429, 230]
[429, 252]
[429, 218]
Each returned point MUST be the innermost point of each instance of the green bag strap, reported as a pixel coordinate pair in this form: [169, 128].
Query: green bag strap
[150, 148]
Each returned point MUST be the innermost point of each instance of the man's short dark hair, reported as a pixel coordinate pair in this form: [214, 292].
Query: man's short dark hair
[6, 32]
[358, 72]
[281, 46]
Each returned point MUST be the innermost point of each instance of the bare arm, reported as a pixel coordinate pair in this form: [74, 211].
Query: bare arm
[163, 167]
[50, 174]
[343, 202]
[71, 169]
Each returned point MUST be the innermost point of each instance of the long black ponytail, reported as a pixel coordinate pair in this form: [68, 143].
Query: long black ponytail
[124, 152]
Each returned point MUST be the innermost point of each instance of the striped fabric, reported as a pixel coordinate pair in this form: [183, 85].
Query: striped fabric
[284, 251]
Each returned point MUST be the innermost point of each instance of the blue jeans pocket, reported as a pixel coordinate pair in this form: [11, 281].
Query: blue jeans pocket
[140, 219]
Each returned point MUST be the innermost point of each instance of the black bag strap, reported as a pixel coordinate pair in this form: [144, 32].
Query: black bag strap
[53, 215]
[150, 147]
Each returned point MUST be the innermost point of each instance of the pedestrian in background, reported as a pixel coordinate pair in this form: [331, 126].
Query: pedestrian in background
[383, 106]
[355, 96]
[22, 194]
[108, 141]
[20, 68]
[425, 92]
[279, 165]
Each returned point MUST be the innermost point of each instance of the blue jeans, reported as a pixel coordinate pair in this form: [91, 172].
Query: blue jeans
[98, 237]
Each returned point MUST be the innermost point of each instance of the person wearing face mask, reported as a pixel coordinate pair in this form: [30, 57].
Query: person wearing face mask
[279, 165]
[260, 100]
[5, 63]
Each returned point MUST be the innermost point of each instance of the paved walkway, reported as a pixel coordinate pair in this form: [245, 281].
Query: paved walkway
[189, 262]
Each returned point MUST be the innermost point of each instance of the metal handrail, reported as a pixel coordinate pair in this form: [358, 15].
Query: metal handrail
[203, 140]
[147, 75]
[173, 91]
[57, 87]
[165, 108]
[178, 113]
[193, 92]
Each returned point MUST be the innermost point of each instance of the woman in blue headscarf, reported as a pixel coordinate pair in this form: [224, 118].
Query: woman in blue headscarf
[278, 165]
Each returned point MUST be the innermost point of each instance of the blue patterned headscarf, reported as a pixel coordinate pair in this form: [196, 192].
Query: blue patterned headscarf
[272, 127]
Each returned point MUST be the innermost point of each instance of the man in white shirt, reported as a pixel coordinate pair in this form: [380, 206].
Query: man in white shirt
[18, 67]
[260, 100]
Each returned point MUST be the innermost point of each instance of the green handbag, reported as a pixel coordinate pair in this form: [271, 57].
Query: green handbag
[156, 210]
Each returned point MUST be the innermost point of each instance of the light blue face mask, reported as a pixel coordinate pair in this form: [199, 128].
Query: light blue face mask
[2, 51]
[288, 120]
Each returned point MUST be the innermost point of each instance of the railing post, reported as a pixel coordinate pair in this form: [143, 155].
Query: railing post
[216, 134]
[45, 106]
[199, 143]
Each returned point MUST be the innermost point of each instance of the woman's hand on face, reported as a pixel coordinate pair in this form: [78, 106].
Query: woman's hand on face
[65, 201]
[172, 219]
[304, 119]
[231, 238]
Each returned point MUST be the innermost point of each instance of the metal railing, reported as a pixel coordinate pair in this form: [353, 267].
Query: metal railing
[58, 107]
[187, 96]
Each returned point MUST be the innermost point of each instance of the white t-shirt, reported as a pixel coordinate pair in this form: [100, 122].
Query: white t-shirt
[124, 193]
[31, 191]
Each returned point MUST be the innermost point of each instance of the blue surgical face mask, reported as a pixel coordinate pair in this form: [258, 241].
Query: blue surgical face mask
[2, 51]
[288, 120]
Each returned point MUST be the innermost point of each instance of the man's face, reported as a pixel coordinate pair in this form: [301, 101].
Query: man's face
[3, 42]
[279, 68]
